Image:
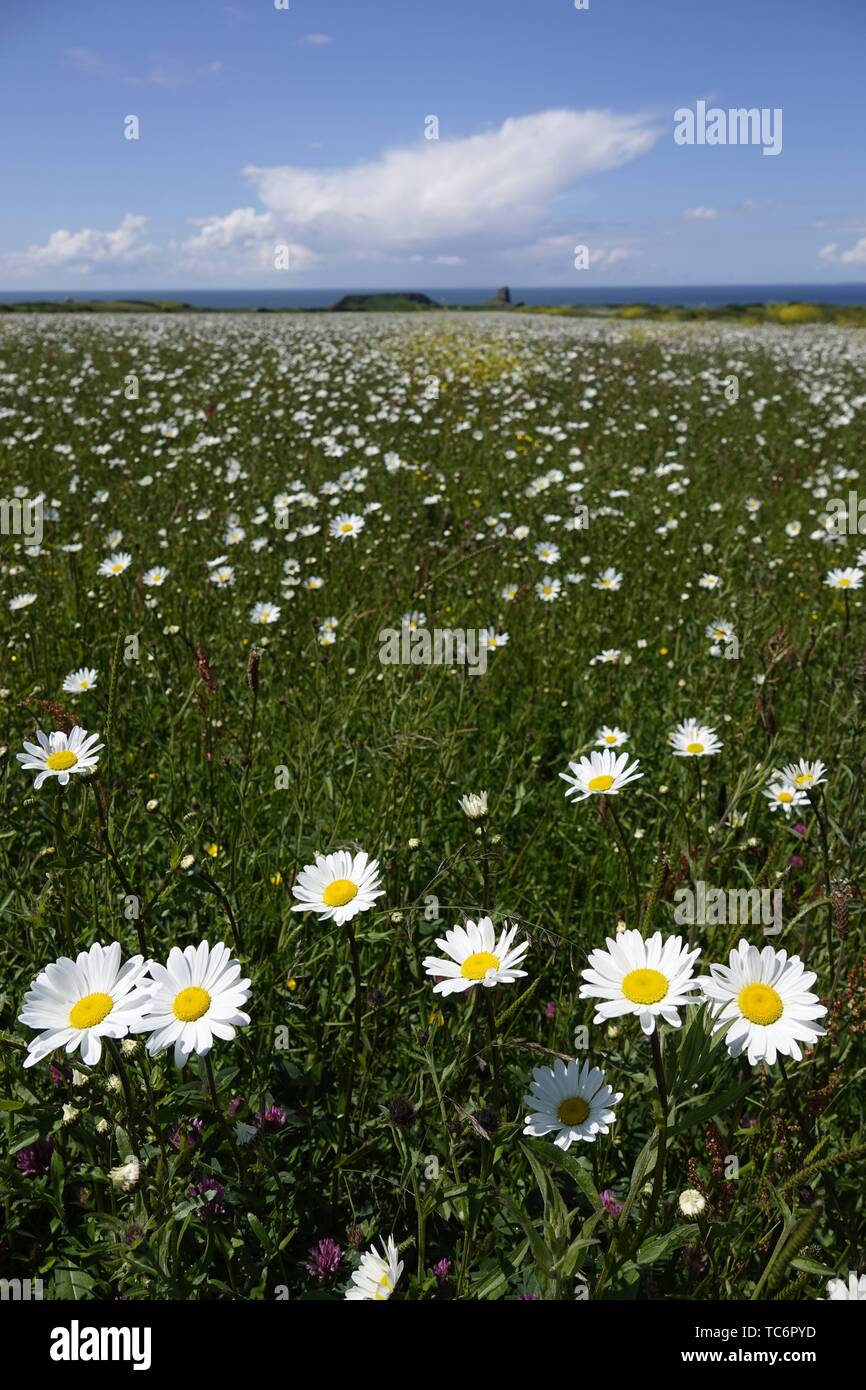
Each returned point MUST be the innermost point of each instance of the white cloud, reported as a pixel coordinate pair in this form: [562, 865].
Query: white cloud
[855, 255]
[242, 241]
[86, 247]
[701, 214]
[482, 188]
[558, 252]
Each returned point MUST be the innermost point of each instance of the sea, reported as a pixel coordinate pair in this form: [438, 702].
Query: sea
[688, 296]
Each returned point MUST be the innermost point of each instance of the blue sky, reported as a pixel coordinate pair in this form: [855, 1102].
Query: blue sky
[263, 129]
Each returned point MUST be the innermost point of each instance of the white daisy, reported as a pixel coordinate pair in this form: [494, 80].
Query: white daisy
[155, 576]
[784, 795]
[77, 681]
[845, 579]
[720, 630]
[77, 1002]
[709, 581]
[610, 738]
[474, 805]
[116, 563]
[19, 601]
[195, 997]
[548, 588]
[346, 525]
[855, 1289]
[223, 576]
[803, 773]
[601, 774]
[570, 1100]
[608, 579]
[338, 886]
[693, 740]
[547, 551]
[59, 755]
[793, 528]
[376, 1276]
[490, 640]
[651, 978]
[763, 999]
[264, 613]
[477, 958]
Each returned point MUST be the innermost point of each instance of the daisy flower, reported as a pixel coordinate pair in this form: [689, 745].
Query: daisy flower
[720, 630]
[491, 640]
[116, 563]
[82, 679]
[59, 755]
[651, 979]
[223, 576]
[477, 958]
[709, 581]
[608, 579]
[346, 525]
[338, 886]
[547, 551]
[571, 1101]
[845, 579]
[376, 1276]
[195, 997]
[803, 773]
[610, 738]
[78, 1002]
[474, 805]
[509, 592]
[855, 1289]
[785, 795]
[693, 740]
[264, 613]
[548, 589]
[155, 576]
[413, 620]
[763, 999]
[19, 601]
[793, 528]
[601, 774]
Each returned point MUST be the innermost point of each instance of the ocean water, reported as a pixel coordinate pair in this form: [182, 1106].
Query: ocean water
[687, 295]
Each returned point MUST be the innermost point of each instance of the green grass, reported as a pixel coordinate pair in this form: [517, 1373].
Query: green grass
[338, 751]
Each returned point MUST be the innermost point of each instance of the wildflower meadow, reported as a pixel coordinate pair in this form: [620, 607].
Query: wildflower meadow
[432, 847]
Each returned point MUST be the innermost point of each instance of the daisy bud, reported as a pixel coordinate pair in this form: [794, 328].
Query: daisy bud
[187, 861]
[474, 805]
[691, 1202]
[127, 1175]
[70, 1115]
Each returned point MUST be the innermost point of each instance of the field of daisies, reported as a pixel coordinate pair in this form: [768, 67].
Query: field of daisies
[346, 958]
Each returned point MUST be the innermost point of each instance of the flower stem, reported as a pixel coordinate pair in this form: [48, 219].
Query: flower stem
[630, 861]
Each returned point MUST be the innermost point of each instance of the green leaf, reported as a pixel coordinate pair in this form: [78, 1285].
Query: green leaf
[699, 1113]
[72, 1283]
[657, 1246]
[575, 1169]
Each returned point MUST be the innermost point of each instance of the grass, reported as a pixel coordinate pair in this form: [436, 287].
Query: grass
[400, 1111]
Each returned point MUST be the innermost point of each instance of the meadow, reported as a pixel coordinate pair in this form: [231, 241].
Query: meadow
[633, 520]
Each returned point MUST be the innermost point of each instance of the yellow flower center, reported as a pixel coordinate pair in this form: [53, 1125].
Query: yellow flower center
[804, 779]
[601, 783]
[117, 569]
[573, 1111]
[476, 966]
[90, 1010]
[346, 526]
[84, 685]
[785, 796]
[610, 738]
[645, 986]
[191, 1003]
[844, 583]
[760, 1004]
[62, 761]
[340, 892]
[694, 748]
